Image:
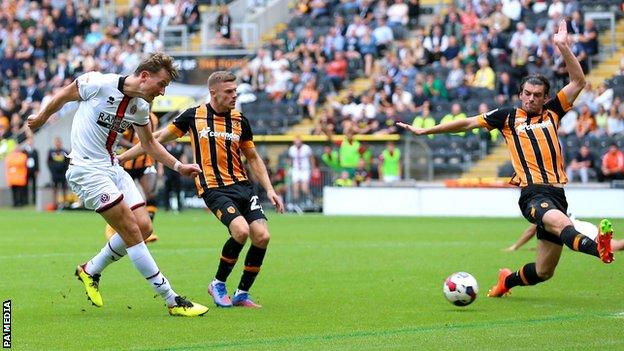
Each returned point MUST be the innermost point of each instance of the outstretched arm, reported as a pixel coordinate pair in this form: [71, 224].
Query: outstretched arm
[449, 127]
[162, 136]
[577, 77]
[156, 150]
[259, 170]
[65, 95]
[526, 236]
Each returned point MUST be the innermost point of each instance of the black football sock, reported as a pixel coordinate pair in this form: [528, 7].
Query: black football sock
[253, 261]
[527, 275]
[150, 206]
[578, 242]
[229, 256]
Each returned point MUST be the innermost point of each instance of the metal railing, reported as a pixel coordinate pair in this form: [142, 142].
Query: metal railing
[174, 37]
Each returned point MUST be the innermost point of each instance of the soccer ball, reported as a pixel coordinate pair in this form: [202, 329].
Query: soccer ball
[460, 289]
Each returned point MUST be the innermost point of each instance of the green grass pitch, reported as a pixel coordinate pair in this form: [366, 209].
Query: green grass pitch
[328, 283]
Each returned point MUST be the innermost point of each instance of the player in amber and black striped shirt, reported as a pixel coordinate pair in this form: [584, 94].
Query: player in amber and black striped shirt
[531, 136]
[219, 135]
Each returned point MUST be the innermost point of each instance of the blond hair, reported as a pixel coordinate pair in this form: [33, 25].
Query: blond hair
[157, 61]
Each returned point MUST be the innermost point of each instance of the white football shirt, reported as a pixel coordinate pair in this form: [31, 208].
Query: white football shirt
[104, 113]
[300, 157]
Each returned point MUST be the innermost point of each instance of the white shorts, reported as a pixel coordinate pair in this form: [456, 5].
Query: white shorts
[102, 187]
[300, 175]
[588, 229]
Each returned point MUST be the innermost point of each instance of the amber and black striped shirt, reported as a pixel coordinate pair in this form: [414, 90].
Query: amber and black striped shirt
[216, 141]
[143, 160]
[532, 141]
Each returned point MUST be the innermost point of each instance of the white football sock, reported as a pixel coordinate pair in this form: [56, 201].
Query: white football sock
[144, 263]
[114, 249]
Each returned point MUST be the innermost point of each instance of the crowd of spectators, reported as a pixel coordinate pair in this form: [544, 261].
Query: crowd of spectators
[45, 44]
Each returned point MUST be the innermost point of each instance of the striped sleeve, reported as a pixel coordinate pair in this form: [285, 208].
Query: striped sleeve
[182, 123]
[494, 119]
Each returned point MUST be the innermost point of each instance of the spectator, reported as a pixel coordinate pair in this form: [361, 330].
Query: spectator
[300, 156]
[337, 70]
[382, 36]
[330, 158]
[389, 166]
[507, 91]
[586, 122]
[589, 38]
[582, 164]
[612, 164]
[436, 43]
[497, 19]
[455, 114]
[349, 152]
[512, 9]
[601, 120]
[485, 76]
[192, 16]
[361, 176]
[402, 100]
[413, 13]
[308, 98]
[604, 96]
[344, 180]
[16, 176]
[424, 120]
[398, 14]
[615, 122]
[32, 165]
[58, 162]
[434, 88]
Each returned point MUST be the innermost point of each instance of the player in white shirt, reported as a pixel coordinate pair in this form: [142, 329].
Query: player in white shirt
[300, 155]
[109, 103]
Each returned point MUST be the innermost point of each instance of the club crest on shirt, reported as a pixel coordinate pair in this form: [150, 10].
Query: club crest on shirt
[133, 109]
[236, 124]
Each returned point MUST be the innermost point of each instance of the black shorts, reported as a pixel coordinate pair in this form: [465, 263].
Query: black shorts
[59, 181]
[234, 200]
[536, 200]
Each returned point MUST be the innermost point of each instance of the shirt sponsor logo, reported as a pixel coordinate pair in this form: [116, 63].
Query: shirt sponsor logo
[208, 133]
[526, 127]
[111, 122]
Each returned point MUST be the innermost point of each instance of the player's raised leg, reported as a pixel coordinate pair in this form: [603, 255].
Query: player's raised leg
[126, 222]
[557, 222]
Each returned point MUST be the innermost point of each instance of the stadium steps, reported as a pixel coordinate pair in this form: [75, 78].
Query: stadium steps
[607, 67]
[358, 85]
[488, 166]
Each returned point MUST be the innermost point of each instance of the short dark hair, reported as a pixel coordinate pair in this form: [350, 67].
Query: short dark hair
[220, 77]
[536, 79]
[157, 61]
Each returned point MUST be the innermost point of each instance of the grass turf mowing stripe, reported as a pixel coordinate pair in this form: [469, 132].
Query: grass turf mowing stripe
[389, 332]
